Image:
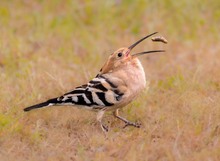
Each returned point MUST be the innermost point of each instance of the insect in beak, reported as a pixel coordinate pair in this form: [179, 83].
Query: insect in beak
[145, 52]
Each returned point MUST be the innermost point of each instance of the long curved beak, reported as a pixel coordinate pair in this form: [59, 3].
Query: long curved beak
[145, 52]
[135, 44]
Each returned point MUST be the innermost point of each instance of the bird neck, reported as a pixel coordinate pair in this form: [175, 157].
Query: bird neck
[131, 72]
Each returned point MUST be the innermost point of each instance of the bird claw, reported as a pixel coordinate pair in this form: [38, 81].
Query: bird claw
[104, 128]
[137, 125]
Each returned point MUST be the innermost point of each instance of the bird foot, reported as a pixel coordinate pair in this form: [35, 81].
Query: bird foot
[128, 123]
[104, 128]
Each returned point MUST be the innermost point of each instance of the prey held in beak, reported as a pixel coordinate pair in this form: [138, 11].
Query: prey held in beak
[145, 52]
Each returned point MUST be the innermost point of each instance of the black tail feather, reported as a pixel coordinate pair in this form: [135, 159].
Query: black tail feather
[40, 105]
[44, 104]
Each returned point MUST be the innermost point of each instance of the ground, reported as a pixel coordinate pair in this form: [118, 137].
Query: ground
[49, 47]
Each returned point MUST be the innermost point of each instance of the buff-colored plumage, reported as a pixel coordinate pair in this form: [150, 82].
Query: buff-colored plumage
[119, 82]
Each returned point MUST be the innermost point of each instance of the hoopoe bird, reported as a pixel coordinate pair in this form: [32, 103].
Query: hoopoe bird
[117, 84]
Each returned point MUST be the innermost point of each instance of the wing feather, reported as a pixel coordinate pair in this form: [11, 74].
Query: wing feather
[99, 92]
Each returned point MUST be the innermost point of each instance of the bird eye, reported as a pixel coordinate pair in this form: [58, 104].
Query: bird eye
[120, 54]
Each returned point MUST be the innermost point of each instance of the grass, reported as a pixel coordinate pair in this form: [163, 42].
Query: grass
[49, 47]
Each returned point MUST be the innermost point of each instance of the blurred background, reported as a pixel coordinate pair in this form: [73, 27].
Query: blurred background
[49, 47]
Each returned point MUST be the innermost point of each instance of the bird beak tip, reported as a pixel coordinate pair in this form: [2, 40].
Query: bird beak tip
[136, 43]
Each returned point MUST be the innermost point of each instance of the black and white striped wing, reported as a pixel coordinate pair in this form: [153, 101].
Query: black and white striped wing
[97, 94]
[100, 92]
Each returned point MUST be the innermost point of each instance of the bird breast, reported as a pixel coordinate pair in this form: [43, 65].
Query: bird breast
[136, 80]
[132, 79]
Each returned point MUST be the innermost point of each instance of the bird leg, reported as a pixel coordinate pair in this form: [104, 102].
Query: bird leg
[99, 119]
[127, 123]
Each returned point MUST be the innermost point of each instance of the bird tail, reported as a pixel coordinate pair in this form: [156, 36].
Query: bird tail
[50, 102]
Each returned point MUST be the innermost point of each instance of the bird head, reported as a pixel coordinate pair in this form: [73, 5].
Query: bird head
[123, 56]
